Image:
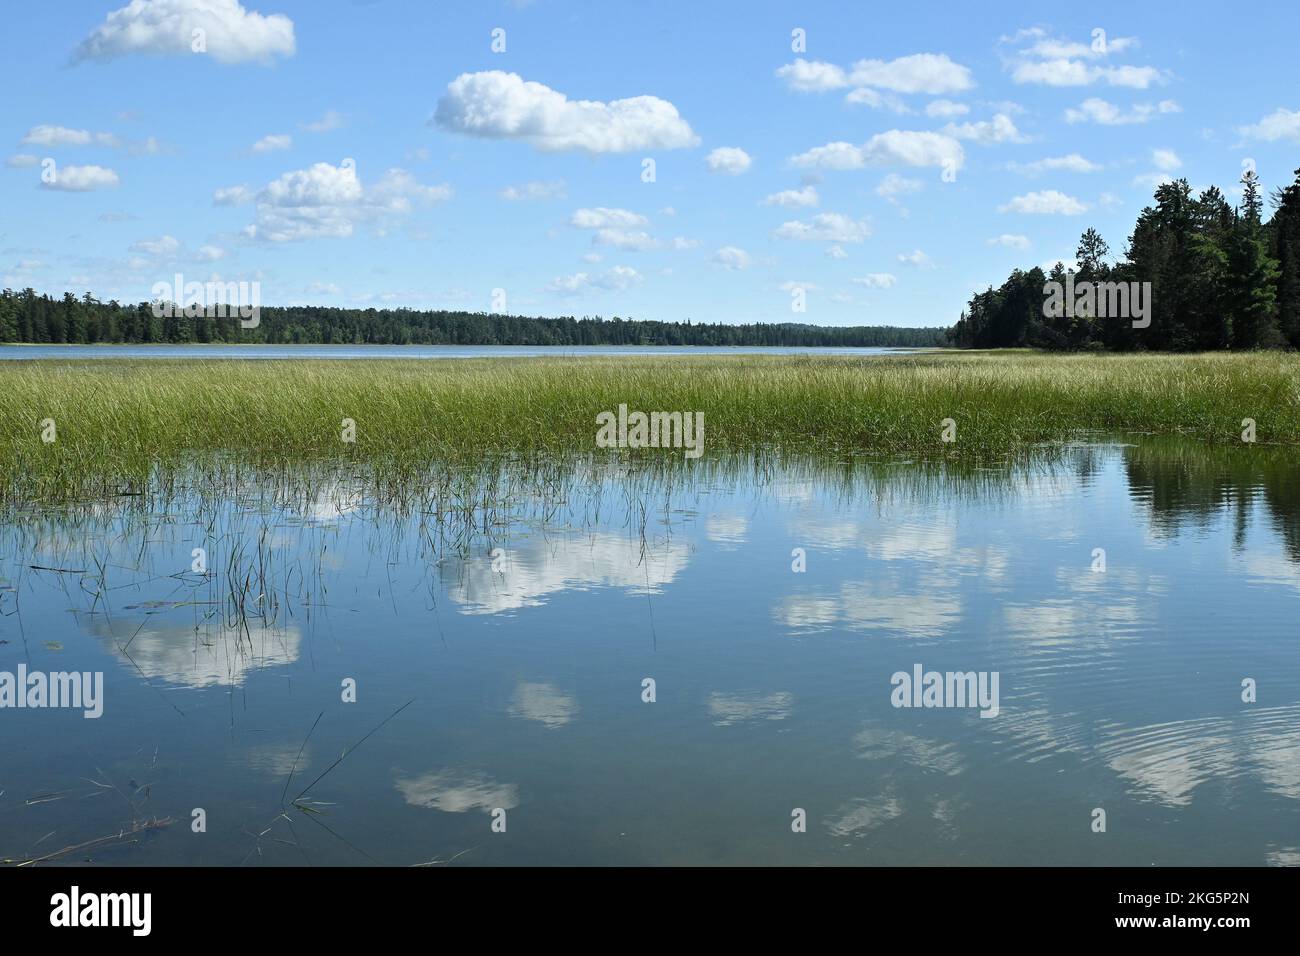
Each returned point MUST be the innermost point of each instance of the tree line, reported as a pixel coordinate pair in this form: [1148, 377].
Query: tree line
[28, 317]
[1220, 278]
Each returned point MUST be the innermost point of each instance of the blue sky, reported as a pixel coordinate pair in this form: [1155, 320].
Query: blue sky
[907, 156]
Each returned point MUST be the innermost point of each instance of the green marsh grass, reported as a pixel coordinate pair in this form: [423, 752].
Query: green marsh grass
[119, 421]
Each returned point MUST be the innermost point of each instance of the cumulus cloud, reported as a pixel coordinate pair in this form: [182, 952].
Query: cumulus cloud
[1045, 202]
[63, 136]
[535, 189]
[731, 160]
[270, 143]
[233, 196]
[80, 179]
[813, 76]
[1072, 163]
[877, 280]
[824, 227]
[1280, 124]
[1165, 159]
[731, 257]
[1000, 129]
[876, 100]
[332, 120]
[162, 247]
[1097, 110]
[892, 148]
[895, 185]
[325, 201]
[617, 279]
[932, 73]
[791, 198]
[1075, 73]
[916, 258]
[1051, 61]
[230, 33]
[498, 105]
[945, 109]
[619, 228]
[1009, 241]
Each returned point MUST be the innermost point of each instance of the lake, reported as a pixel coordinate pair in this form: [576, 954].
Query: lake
[497, 629]
[29, 352]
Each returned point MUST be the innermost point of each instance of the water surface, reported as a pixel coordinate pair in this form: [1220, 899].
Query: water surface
[517, 612]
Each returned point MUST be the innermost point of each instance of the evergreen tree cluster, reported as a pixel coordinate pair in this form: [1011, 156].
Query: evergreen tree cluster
[1221, 278]
[28, 317]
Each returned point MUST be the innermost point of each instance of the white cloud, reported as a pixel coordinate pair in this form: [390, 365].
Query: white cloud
[163, 246]
[62, 136]
[836, 252]
[1072, 163]
[931, 73]
[324, 201]
[232, 34]
[825, 227]
[1280, 124]
[1009, 241]
[1000, 129]
[81, 179]
[332, 120]
[1075, 73]
[211, 253]
[791, 198]
[1054, 49]
[637, 240]
[1165, 159]
[535, 189]
[1050, 61]
[945, 109]
[233, 196]
[731, 257]
[614, 227]
[892, 148]
[617, 279]
[602, 217]
[730, 160]
[273, 142]
[876, 100]
[1045, 202]
[877, 280]
[896, 185]
[497, 105]
[1096, 110]
[813, 76]
[916, 258]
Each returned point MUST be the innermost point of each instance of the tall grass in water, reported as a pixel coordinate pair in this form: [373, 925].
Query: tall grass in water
[118, 421]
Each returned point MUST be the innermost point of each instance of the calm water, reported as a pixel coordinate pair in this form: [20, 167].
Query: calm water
[28, 352]
[1119, 689]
